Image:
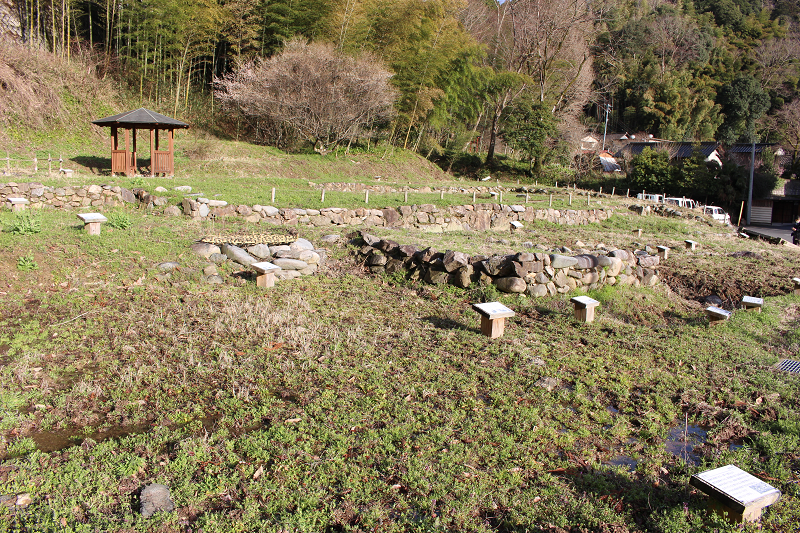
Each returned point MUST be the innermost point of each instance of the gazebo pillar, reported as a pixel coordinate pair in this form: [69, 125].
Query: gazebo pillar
[171, 152]
[134, 165]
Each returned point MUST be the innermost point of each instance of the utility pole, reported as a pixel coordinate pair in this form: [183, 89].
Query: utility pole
[605, 127]
[752, 171]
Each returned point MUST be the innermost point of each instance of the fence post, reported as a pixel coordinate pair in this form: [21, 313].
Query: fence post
[570, 198]
[35, 164]
[366, 196]
[441, 196]
[473, 197]
[627, 193]
[273, 195]
[322, 200]
[551, 200]
[612, 190]
[405, 197]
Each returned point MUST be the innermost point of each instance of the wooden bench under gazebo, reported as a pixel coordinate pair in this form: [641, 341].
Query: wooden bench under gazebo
[124, 161]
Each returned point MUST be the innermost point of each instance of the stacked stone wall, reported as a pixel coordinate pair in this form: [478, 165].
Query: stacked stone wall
[534, 273]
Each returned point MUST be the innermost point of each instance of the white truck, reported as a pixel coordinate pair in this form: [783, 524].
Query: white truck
[717, 213]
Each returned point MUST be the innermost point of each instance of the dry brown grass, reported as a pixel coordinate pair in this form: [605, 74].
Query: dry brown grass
[38, 88]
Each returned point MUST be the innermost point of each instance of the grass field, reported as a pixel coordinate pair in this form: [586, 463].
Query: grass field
[345, 402]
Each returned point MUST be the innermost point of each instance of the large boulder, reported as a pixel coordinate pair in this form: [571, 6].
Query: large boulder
[234, 253]
[511, 284]
[562, 261]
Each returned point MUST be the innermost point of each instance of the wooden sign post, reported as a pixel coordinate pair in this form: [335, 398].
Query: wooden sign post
[493, 318]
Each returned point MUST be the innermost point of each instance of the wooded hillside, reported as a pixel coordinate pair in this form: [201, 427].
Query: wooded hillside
[462, 71]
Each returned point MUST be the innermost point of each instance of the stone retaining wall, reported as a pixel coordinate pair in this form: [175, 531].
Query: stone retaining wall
[67, 196]
[482, 216]
[533, 273]
[427, 216]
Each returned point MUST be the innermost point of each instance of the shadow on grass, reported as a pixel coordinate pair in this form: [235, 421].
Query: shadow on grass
[96, 165]
[447, 323]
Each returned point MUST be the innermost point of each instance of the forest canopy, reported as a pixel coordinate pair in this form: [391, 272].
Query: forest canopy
[457, 73]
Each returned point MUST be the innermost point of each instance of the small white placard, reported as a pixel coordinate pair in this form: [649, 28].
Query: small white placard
[737, 484]
[264, 267]
[752, 300]
[718, 311]
[663, 248]
[796, 281]
[493, 310]
[516, 224]
[91, 217]
[585, 301]
[16, 201]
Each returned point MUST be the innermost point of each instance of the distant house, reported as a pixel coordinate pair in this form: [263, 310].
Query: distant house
[741, 153]
[676, 150]
[608, 162]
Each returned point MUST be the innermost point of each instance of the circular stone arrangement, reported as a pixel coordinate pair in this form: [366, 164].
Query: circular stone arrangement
[299, 258]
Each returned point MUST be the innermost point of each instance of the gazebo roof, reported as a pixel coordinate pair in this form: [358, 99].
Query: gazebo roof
[140, 118]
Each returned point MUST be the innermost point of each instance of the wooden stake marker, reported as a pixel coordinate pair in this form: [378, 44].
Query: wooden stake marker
[796, 282]
[751, 303]
[637, 232]
[266, 273]
[493, 318]
[91, 222]
[17, 204]
[584, 308]
[690, 245]
[663, 252]
[735, 494]
[716, 315]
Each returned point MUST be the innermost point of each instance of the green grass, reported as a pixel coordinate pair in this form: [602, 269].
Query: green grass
[348, 402]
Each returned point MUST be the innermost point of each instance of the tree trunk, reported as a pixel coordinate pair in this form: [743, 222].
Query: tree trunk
[492, 138]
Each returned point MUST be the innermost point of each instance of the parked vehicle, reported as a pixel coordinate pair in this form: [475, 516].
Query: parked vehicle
[717, 213]
[657, 198]
[682, 202]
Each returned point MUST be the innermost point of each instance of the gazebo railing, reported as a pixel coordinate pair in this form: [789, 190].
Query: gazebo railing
[161, 161]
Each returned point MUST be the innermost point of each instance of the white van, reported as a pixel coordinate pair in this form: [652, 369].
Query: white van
[688, 203]
[717, 213]
[657, 198]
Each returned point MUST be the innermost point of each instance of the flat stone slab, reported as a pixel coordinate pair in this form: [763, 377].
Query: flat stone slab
[584, 301]
[89, 218]
[264, 267]
[516, 225]
[493, 310]
[736, 489]
[796, 281]
[18, 201]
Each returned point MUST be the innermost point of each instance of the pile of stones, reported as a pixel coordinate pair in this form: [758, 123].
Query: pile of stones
[533, 273]
[299, 258]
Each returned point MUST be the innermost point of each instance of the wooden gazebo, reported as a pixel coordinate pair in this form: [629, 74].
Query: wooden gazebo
[123, 161]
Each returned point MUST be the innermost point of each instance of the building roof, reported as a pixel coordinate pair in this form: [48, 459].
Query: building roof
[609, 163]
[140, 118]
[680, 150]
[746, 148]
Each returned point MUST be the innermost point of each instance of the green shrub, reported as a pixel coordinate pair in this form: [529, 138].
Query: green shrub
[25, 223]
[119, 221]
[26, 262]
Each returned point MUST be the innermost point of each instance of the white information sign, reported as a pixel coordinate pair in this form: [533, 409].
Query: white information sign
[493, 310]
[737, 484]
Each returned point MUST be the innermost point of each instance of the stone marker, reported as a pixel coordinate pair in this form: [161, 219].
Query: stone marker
[584, 308]
[493, 318]
[155, 498]
[796, 282]
[735, 494]
[515, 225]
[716, 315]
[751, 303]
[266, 273]
[637, 232]
[663, 252]
[17, 204]
[91, 222]
[690, 245]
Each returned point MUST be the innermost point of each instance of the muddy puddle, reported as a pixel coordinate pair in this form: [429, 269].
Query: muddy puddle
[54, 441]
